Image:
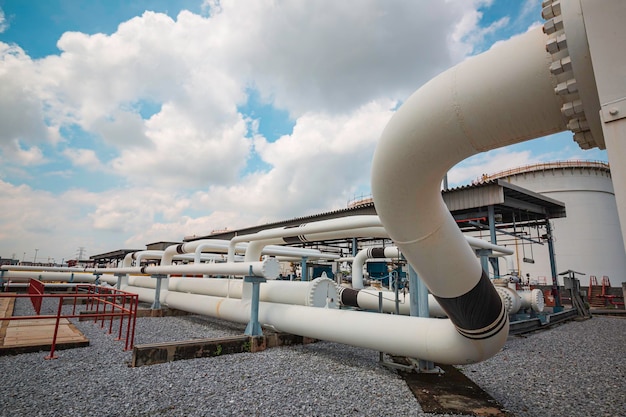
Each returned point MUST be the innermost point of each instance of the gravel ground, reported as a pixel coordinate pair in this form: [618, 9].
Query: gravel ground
[575, 369]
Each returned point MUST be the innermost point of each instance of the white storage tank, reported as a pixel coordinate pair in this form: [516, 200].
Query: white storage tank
[589, 239]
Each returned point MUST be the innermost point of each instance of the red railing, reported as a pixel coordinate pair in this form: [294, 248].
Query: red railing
[36, 287]
[109, 304]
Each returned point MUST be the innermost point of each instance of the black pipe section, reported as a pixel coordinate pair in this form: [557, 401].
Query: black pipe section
[349, 297]
[377, 253]
[477, 314]
[294, 239]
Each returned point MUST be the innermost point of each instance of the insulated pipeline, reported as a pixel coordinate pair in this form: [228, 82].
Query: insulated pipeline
[500, 97]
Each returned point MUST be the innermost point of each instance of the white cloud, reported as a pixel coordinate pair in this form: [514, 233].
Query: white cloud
[21, 106]
[4, 25]
[491, 162]
[337, 68]
[40, 220]
[85, 158]
[317, 167]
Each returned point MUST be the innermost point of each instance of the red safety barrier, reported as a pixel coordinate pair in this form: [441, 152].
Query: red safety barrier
[115, 304]
[35, 287]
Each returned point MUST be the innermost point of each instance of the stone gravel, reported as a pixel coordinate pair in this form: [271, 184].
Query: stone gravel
[575, 369]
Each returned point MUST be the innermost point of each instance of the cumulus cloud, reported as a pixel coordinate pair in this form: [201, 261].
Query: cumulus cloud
[156, 104]
[21, 98]
[85, 158]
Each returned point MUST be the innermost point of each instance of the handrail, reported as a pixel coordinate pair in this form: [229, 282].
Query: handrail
[122, 304]
[574, 163]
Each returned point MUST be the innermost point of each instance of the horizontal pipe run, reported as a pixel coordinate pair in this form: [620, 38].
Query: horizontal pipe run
[268, 268]
[367, 299]
[431, 339]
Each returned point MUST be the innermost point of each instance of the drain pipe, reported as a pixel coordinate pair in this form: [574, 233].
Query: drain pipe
[503, 96]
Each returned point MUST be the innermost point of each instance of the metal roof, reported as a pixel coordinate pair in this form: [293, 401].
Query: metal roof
[469, 205]
[512, 204]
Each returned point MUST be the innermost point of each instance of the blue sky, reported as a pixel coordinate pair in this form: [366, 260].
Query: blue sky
[128, 122]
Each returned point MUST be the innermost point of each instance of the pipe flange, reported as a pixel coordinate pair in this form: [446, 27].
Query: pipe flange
[538, 302]
[571, 65]
[323, 293]
[270, 267]
[506, 298]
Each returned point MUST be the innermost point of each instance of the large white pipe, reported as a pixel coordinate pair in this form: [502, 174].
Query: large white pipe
[25, 275]
[270, 235]
[397, 335]
[308, 293]
[267, 268]
[500, 97]
[44, 268]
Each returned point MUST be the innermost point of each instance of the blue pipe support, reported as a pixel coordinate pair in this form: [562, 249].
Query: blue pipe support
[305, 273]
[484, 259]
[118, 283]
[419, 308]
[156, 305]
[494, 240]
[254, 327]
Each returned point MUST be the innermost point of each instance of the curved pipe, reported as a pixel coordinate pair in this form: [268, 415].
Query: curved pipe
[298, 232]
[392, 252]
[500, 97]
[369, 253]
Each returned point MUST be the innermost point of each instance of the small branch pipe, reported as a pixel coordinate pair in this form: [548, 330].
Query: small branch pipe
[501, 97]
[392, 252]
[369, 253]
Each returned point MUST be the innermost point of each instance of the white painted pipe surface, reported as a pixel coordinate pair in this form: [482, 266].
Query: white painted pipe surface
[24, 276]
[367, 299]
[267, 268]
[431, 339]
[500, 97]
[332, 225]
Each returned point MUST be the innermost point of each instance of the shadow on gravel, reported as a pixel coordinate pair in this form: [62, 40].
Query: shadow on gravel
[452, 393]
